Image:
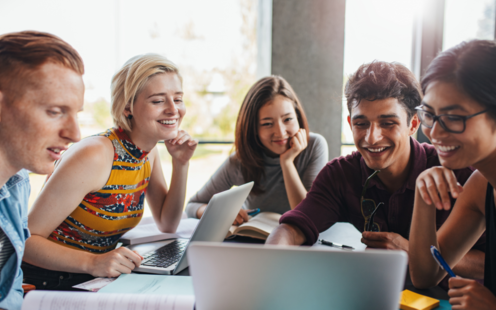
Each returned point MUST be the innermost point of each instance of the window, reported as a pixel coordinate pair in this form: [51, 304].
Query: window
[375, 30]
[467, 20]
[213, 43]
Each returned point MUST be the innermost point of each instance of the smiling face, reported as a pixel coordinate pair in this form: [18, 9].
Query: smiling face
[158, 109]
[277, 123]
[381, 133]
[41, 121]
[474, 146]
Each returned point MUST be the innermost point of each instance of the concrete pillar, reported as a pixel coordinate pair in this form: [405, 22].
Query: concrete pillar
[306, 45]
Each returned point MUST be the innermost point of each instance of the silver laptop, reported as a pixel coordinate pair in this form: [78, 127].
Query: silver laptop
[240, 276]
[171, 257]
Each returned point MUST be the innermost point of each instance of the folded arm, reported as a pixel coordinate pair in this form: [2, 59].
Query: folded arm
[286, 234]
[458, 234]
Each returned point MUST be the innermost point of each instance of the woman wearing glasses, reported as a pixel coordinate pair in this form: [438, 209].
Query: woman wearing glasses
[458, 115]
[273, 147]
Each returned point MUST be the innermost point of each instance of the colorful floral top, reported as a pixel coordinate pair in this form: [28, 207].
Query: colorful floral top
[105, 215]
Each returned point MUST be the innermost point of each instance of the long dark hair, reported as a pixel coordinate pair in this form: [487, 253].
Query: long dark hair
[249, 149]
[472, 67]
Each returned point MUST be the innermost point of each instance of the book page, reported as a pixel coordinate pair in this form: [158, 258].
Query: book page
[262, 223]
[55, 300]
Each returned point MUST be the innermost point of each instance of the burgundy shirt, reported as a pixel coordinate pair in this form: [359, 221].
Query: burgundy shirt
[335, 196]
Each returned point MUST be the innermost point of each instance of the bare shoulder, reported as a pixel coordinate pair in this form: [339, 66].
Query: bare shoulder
[92, 150]
[474, 191]
[153, 156]
[90, 159]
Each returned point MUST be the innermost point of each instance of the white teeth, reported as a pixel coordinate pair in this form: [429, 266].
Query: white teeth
[56, 150]
[445, 148]
[376, 150]
[168, 122]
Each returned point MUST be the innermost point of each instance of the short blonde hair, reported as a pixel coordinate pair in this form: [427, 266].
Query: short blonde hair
[129, 81]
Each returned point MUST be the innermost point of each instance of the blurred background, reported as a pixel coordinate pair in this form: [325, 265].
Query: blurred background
[223, 46]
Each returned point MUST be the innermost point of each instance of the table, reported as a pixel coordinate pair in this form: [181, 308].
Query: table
[434, 292]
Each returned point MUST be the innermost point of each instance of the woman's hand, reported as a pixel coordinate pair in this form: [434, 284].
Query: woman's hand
[296, 145]
[181, 147]
[114, 263]
[435, 184]
[241, 217]
[470, 294]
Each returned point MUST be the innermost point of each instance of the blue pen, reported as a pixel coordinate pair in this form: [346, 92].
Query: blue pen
[441, 262]
[254, 212]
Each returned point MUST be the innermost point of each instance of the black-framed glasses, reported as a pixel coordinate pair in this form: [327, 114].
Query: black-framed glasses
[369, 208]
[450, 123]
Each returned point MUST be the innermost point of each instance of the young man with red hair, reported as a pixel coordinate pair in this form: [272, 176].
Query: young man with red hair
[41, 92]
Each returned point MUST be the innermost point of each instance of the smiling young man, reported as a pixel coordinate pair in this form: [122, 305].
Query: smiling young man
[41, 91]
[381, 100]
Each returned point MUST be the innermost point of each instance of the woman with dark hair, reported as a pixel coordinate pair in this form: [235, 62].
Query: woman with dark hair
[273, 148]
[459, 117]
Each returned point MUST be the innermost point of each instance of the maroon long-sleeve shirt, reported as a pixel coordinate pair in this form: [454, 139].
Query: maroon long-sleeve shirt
[335, 196]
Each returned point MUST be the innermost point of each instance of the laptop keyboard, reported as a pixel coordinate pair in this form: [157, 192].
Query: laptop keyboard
[167, 255]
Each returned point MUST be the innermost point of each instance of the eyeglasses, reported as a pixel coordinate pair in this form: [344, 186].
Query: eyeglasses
[369, 208]
[450, 123]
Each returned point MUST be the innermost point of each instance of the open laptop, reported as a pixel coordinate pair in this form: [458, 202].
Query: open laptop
[241, 276]
[219, 215]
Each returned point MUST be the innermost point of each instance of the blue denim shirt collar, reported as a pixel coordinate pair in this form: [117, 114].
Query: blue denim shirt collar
[4, 191]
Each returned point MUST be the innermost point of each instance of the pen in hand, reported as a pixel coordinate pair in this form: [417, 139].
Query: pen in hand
[337, 245]
[253, 212]
[441, 262]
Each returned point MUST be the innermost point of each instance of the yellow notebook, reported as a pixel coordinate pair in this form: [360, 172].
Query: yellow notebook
[413, 301]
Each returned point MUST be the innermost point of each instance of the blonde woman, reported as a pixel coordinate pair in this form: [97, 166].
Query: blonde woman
[97, 190]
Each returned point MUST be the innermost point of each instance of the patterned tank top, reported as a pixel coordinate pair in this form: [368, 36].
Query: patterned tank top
[105, 215]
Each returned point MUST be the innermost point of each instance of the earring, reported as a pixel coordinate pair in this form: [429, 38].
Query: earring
[130, 116]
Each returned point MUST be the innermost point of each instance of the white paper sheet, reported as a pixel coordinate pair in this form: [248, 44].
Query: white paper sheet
[342, 233]
[56, 300]
[95, 285]
[147, 231]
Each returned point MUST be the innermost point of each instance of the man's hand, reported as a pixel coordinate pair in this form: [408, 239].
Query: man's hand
[470, 294]
[384, 240]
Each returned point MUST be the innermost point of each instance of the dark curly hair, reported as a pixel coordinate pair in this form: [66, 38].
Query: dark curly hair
[381, 80]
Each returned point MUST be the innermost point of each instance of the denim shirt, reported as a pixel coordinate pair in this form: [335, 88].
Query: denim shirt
[14, 197]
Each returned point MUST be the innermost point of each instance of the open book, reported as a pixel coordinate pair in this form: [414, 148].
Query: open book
[56, 300]
[259, 227]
